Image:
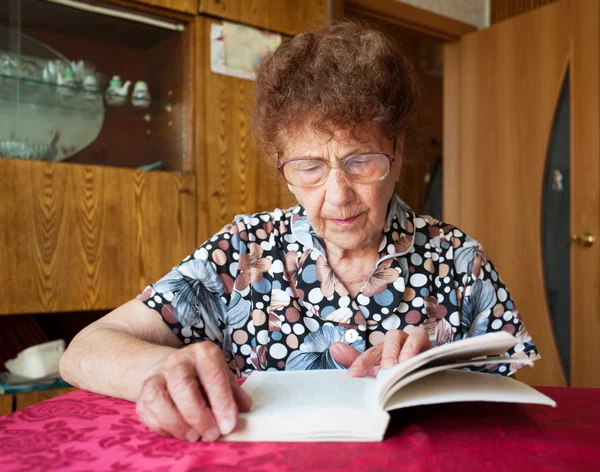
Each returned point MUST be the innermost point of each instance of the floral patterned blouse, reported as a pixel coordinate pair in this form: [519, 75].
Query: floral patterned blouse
[262, 290]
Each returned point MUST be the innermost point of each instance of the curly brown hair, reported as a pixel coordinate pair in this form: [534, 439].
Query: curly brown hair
[343, 76]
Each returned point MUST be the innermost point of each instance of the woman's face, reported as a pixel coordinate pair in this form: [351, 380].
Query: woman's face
[345, 214]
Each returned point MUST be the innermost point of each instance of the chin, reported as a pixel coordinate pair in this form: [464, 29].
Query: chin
[350, 242]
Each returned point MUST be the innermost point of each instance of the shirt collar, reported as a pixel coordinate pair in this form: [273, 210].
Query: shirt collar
[397, 238]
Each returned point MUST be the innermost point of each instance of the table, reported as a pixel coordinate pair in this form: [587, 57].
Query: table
[82, 431]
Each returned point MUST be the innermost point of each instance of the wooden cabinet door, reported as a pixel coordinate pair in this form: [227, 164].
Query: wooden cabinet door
[76, 238]
[231, 178]
[285, 16]
[6, 404]
[505, 90]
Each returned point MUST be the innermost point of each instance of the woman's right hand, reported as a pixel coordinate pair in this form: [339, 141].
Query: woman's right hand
[192, 394]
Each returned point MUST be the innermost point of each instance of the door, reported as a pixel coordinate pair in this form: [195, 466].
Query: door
[521, 172]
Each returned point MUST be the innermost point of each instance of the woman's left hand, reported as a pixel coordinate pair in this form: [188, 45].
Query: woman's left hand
[397, 346]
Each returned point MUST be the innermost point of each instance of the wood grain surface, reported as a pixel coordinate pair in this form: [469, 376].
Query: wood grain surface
[501, 10]
[23, 400]
[285, 16]
[231, 177]
[77, 237]
[408, 16]
[6, 404]
[184, 6]
[508, 79]
[585, 193]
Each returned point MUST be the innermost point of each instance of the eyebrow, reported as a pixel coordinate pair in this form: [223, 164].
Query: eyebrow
[321, 157]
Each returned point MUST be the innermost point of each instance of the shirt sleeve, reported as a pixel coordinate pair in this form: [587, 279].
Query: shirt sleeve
[485, 306]
[196, 298]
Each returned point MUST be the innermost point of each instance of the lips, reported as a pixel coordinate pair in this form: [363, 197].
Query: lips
[345, 221]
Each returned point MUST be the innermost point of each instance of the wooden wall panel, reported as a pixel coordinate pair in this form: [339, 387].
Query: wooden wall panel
[585, 193]
[410, 17]
[510, 77]
[451, 142]
[285, 16]
[78, 238]
[501, 10]
[231, 178]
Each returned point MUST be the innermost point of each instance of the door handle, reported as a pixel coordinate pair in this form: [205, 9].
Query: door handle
[584, 240]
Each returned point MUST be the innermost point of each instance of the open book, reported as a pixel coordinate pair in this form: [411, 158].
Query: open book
[329, 405]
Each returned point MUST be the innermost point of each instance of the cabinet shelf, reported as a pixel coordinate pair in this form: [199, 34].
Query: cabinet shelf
[34, 93]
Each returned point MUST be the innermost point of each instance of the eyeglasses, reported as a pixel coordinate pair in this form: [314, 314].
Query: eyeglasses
[364, 168]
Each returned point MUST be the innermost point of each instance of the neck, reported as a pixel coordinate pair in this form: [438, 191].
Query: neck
[337, 256]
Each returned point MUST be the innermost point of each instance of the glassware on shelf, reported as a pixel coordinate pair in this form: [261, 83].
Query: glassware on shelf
[116, 94]
[90, 85]
[23, 149]
[66, 82]
[141, 95]
[40, 98]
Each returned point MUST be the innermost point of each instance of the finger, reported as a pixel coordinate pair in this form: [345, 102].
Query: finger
[370, 358]
[417, 342]
[185, 391]
[374, 370]
[148, 419]
[157, 410]
[392, 345]
[243, 400]
[215, 379]
[343, 354]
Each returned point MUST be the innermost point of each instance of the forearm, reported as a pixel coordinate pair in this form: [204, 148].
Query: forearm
[111, 362]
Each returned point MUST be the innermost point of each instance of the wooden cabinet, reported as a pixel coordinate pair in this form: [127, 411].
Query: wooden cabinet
[89, 232]
[232, 179]
[285, 16]
[6, 404]
[81, 237]
[16, 402]
[522, 172]
[23, 400]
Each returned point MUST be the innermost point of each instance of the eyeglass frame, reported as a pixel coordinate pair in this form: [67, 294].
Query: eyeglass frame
[341, 164]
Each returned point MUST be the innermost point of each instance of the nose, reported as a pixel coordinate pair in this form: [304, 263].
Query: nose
[338, 190]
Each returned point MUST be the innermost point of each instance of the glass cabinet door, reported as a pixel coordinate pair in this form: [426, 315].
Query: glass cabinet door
[94, 83]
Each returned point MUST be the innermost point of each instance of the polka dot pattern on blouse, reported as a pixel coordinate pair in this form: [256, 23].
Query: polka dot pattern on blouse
[262, 290]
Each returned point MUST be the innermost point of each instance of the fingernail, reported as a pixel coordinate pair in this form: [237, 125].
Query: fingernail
[226, 426]
[212, 434]
[386, 364]
[192, 435]
[403, 357]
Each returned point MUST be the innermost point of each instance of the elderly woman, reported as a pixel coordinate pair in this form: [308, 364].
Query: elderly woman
[349, 278]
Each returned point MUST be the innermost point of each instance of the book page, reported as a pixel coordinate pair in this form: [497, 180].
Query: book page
[424, 371]
[489, 344]
[309, 389]
[462, 386]
[310, 405]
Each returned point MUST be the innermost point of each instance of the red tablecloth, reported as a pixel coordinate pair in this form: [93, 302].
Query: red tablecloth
[82, 431]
